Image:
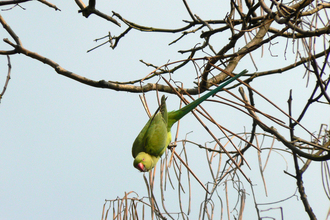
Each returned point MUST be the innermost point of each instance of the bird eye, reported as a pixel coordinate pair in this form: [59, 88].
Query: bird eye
[143, 159]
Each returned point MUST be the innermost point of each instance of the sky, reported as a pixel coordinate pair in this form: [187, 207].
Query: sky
[66, 147]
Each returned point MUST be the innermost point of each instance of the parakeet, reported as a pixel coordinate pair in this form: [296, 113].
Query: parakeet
[155, 136]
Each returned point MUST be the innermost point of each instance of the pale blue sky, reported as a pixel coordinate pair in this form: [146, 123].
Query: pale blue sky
[66, 147]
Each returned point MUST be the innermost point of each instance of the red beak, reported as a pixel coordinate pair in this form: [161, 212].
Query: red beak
[140, 167]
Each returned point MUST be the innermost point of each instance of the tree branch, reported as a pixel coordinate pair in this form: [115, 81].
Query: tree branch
[90, 9]
[7, 79]
[281, 138]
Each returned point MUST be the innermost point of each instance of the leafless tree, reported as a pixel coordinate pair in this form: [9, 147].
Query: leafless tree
[249, 27]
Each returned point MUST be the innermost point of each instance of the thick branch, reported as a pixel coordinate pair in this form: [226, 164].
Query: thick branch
[240, 54]
[301, 189]
[13, 2]
[100, 83]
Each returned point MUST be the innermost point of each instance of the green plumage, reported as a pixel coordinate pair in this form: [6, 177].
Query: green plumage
[155, 136]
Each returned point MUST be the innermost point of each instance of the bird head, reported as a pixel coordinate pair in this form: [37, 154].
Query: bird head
[143, 162]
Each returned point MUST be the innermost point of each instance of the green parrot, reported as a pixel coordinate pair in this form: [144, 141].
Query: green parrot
[155, 136]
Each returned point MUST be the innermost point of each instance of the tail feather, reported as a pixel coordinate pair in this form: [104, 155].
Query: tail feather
[174, 116]
[163, 109]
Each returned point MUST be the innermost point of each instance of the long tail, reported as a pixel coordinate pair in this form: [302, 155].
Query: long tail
[174, 116]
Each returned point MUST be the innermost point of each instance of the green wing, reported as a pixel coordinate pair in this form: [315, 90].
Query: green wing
[174, 116]
[152, 139]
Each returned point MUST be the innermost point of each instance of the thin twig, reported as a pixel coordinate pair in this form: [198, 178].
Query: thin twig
[7, 79]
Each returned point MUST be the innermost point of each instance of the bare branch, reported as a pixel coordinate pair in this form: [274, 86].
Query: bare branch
[11, 2]
[7, 79]
[287, 143]
[50, 5]
[90, 9]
